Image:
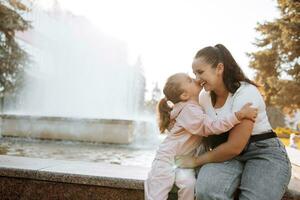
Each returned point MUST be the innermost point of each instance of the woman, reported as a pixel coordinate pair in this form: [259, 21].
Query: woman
[251, 157]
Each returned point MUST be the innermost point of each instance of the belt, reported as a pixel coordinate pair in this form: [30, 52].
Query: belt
[263, 136]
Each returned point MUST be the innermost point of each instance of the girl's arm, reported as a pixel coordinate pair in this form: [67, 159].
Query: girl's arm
[237, 140]
[238, 136]
[196, 122]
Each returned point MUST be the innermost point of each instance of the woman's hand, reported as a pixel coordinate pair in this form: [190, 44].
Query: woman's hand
[186, 161]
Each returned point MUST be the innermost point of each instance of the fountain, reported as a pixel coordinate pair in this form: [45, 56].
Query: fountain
[79, 85]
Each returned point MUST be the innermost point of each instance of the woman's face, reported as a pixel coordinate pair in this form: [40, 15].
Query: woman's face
[209, 77]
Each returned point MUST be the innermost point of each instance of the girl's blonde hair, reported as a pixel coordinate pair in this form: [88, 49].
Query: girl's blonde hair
[172, 92]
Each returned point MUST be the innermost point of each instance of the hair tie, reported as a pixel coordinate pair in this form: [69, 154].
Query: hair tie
[170, 104]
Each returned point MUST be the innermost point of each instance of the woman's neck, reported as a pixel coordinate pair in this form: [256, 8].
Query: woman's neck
[221, 92]
[221, 96]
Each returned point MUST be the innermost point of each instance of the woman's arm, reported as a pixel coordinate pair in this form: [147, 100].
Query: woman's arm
[240, 134]
[237, 140]
[196, 122]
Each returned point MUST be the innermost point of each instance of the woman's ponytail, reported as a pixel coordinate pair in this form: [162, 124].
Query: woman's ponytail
[233, 73]
[163, 115]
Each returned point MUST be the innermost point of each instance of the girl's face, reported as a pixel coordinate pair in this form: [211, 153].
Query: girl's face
[210, 78]
[190, 86]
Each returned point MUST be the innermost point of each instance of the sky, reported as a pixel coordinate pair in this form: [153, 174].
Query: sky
[168, 33]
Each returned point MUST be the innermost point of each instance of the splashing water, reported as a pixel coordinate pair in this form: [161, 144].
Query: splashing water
[76, 70]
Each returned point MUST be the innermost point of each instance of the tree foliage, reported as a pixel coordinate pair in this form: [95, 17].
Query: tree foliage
[277, 62]
[12, 56]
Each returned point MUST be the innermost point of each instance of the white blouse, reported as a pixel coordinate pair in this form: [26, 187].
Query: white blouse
[246, 93]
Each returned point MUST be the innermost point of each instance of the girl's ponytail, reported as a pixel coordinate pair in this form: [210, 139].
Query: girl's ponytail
[172, 91]
[163, 115]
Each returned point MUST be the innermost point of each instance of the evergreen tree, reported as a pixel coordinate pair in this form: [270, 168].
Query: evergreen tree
[12, 57]
[277, 62]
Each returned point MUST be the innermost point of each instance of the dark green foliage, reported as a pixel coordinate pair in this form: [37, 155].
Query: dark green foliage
[12, 57]
[277, 62]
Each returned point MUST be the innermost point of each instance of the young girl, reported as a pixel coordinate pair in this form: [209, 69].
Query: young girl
[186, 123]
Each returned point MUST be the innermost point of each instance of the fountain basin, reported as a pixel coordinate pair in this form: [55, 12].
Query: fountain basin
[68, 128]
[33, 178]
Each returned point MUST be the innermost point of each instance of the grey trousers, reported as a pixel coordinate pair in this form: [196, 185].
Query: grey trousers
[261, 172]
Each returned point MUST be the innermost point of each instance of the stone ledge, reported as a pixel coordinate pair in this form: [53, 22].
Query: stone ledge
[75, 172]
[33, 178]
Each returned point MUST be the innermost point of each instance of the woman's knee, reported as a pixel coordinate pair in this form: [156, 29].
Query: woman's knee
[204, 189]
[215, 180]
[213, 190]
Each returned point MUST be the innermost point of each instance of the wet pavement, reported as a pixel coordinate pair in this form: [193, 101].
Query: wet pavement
[137, 154]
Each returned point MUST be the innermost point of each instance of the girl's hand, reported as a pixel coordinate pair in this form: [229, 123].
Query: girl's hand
[247, 112]
[186, 161]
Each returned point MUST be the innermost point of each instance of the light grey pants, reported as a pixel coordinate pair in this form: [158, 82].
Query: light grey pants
[261, 172]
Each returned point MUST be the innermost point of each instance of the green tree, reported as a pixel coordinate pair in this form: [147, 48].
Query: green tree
[277, 62]
[12, 57]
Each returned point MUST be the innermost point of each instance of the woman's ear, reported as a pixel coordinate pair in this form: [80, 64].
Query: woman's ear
[220, 68]
[184, 96]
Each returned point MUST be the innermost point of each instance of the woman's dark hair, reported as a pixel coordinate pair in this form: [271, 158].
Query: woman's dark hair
[172, 92]
[232, 74]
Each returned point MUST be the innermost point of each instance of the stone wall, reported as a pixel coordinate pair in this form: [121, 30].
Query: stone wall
[32, 178]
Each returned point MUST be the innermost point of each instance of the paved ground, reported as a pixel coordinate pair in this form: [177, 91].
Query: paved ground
[294, 156]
